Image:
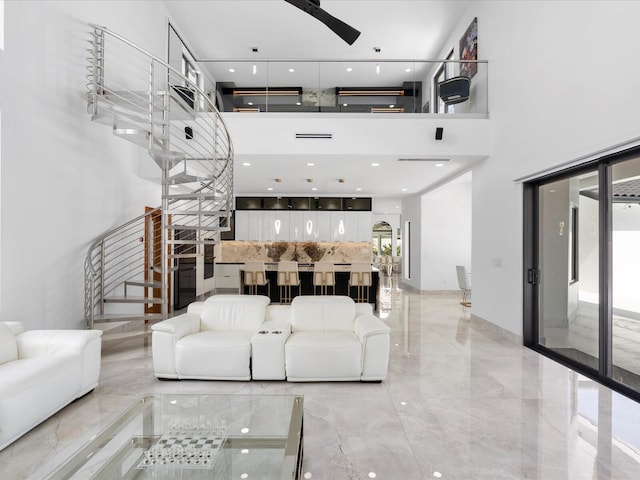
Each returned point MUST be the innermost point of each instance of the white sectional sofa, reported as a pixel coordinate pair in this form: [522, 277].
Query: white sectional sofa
[41, 371]
[212, 341]
[242, 337]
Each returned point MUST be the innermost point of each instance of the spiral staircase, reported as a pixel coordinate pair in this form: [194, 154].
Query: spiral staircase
[129, 269]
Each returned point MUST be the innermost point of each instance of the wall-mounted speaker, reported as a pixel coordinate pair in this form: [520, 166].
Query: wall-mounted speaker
[439, 132]
[188, 133]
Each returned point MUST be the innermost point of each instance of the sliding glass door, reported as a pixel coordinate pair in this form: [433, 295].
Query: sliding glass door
[582, 269]
[625, 272]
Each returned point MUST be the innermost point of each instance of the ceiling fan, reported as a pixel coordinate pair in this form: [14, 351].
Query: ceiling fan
[312, 7]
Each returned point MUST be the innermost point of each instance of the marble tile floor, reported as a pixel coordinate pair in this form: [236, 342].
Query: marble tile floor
[462, 401]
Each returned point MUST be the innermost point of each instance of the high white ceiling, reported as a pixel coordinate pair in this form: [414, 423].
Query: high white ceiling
[413, 29]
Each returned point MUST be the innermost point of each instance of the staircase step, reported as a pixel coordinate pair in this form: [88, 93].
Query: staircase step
[158, 269]
[130, 283]
[166, 157]
[125, 317]
[192, 196]
[194, 228]
[186, 255]
[193, 242]
[183, 177]
[208, 213]
[132, 299]
[137, 136]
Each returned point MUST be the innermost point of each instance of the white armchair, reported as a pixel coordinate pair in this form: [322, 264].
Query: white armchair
[41, 371]
[212, 341]
[335, 339]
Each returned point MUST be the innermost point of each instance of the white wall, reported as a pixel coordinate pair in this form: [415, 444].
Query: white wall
[551, 66]
[446, 234]
[64, 179]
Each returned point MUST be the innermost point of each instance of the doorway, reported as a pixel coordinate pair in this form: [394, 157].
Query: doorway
[582, 232]
[382, 240]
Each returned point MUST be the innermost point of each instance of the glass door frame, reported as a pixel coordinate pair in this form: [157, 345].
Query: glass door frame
[531, 268]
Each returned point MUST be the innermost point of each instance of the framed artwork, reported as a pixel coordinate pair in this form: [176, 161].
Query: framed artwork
[469, 50]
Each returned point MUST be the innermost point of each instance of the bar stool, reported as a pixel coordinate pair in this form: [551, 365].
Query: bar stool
[255, 276]
[324, 277]
[287, 278]
[360, 277]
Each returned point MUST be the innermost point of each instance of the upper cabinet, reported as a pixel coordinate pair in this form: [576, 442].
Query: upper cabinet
[303, 219]
[308, 226]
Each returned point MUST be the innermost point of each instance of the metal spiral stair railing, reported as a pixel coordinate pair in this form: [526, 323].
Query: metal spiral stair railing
[151, 104]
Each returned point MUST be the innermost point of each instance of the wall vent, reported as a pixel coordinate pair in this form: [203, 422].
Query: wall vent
[314, 135]
[438, 160]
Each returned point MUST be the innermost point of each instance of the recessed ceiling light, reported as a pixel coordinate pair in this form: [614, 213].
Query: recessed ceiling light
[298, 103]
[375, 164]
[232, 70]
[310, 164]
[255, 69]
[439, 164]
[407, 70]
[270, 189]
[391, 106]
[244, 430]
[246, 164]
[349, 69]
[314, 189]
[397, 206]
[377, 69]
[358, 189]
[344, 104]
[291, 70]
[404, 189]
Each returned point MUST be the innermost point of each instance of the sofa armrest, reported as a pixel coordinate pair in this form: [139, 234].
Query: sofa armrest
[180, 326]
[165, 336]
[374, 336]
[41, 343]
[367, 325]
[15, 327]
[85, 345]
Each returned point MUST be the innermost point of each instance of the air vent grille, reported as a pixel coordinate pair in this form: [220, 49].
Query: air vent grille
[314, 135]
[438, 160]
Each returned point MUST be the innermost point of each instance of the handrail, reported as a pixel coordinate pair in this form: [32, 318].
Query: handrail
[111, 232]
[166, 65]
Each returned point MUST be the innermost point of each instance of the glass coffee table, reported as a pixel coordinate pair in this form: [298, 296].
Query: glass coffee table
[188, 436]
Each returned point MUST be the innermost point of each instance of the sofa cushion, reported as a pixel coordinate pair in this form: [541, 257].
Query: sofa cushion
[233, 313]
[322, 313]
[214, 355]
[8, 345]
[323, 356]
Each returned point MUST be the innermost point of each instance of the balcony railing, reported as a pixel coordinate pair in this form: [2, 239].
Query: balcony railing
[349, 86]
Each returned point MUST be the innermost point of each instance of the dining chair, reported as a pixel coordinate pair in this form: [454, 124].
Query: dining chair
[464, 284]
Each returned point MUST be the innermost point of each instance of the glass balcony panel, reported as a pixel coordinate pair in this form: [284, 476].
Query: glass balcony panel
[351, 86]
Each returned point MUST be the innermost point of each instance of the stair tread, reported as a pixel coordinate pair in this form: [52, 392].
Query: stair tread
[185, 255]
[121, 317]
[193, 242]
[193, 227]
[192, 196]
[134, 283]
[131, 299]
[208, 213]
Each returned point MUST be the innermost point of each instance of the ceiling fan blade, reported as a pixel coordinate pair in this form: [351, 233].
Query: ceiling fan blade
[312, 7]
